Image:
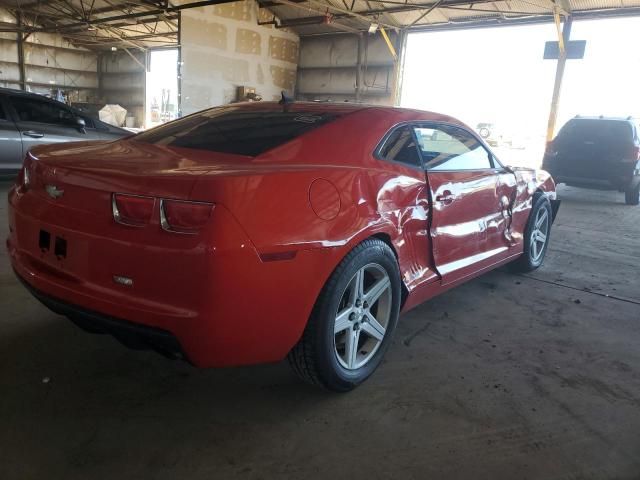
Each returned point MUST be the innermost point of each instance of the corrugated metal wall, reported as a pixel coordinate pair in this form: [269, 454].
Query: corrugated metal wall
[50, 62]
[347, 67]
[123, 81]
[223, 48]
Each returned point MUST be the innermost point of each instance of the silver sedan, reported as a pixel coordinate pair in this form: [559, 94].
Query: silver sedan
[28, 119]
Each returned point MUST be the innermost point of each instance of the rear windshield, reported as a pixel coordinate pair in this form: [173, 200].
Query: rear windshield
[235, 131]
[579, 130]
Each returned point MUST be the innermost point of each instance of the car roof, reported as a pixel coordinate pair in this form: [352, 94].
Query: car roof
[13, 91]
[329, 107]
[345, 108]
[602, 117]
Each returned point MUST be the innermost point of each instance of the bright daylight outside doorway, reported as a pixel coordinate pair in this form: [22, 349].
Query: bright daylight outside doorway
[161, 104]
[503, 88]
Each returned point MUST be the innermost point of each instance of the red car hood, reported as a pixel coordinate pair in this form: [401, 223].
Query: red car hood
[130, 167]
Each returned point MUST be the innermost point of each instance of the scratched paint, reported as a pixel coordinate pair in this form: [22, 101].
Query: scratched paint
[261, 206]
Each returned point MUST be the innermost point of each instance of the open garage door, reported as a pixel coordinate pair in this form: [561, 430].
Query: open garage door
[162, 87]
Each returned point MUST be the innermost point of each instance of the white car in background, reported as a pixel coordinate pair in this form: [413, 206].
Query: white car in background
[493, 135]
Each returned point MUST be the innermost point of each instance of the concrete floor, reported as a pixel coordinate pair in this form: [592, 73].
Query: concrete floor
[507, 377]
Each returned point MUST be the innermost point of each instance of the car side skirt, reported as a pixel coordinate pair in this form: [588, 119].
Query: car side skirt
[426, 292]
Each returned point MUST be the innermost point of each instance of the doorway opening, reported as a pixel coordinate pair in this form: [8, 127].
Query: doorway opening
[161, 103]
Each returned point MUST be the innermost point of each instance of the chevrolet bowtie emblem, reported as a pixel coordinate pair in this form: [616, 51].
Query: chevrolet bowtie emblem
[53, 191]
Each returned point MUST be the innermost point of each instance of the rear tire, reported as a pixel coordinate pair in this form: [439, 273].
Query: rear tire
[536, 236]
[353, 320]
[632, 195]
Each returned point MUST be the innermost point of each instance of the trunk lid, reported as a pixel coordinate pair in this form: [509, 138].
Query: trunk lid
[82, 176]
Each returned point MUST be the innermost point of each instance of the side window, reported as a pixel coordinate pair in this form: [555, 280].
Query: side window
[451, 148]
[3, 115]
[41, 111]
[400, 146]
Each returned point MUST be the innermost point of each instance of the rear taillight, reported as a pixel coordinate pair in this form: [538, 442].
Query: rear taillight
[634, 155]
[132, 210]
[184, 217]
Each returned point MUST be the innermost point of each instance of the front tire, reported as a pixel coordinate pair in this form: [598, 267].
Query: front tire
[353, 320]
[632, 195]
[536, 236]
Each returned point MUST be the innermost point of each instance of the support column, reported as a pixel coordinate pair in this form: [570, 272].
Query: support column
[563, 40]
[399, 66]
[359, 68]
[20, 40]
[179, 73]
[100, 72]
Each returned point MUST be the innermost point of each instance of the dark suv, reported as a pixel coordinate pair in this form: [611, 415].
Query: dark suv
[597, 152]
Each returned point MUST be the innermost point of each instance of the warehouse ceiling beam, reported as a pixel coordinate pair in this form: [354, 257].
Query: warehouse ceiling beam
[426, 12]
[110, 40]
[119, 7]
[54, 24]
[125, 39]
[171, 18]
[105, 43]
[390, 46]
[529, 19]
[133, 57]
[365, 15]
[349, 13]
[61, 28]
[564, 6]
[398, 8]
[140, 21]
[327, 19]
[98, 25]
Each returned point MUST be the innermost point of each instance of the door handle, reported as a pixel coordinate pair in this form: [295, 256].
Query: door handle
[33, 134]
[445, 197]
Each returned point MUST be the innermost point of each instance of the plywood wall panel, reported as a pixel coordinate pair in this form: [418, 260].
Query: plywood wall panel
[217, 60]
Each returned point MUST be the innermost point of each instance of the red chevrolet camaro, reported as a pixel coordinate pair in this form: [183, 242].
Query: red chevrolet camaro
[254, 232]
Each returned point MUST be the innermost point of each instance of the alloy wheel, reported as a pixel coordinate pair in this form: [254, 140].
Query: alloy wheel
[362, 317]
[539, 235]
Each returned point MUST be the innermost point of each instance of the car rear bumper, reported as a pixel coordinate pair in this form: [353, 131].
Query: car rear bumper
[611, 183]
[222, 304]
[132, 335]
[618, 177]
